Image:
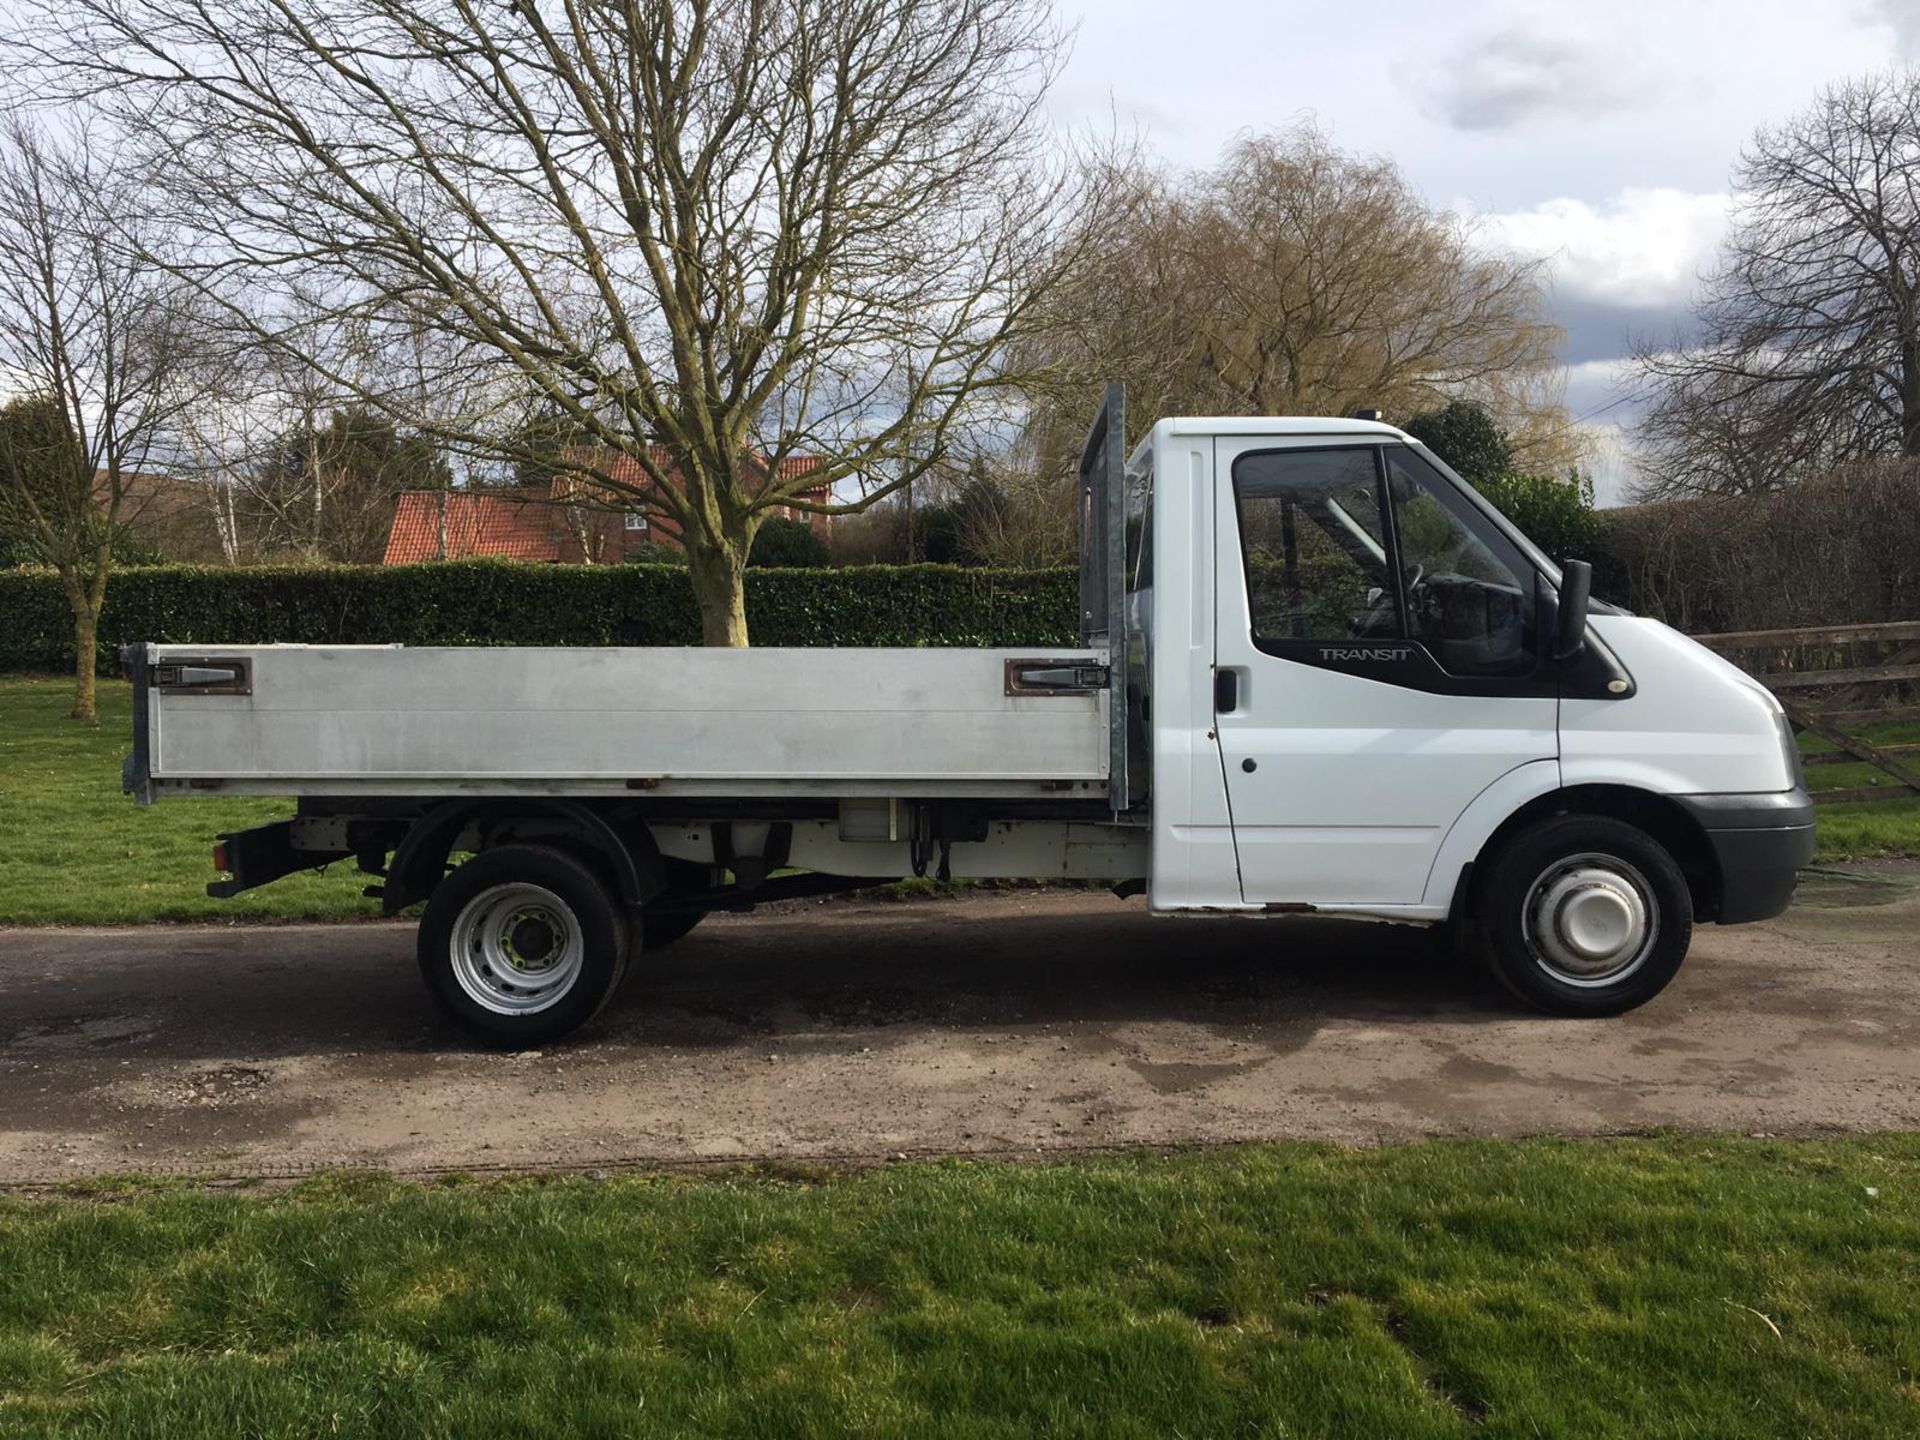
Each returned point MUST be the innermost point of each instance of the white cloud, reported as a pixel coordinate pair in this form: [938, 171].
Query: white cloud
[1643, 249]
[1602, 399]
[1597, 388]
[1903, 16]
[1610, 460]
[1502, 78]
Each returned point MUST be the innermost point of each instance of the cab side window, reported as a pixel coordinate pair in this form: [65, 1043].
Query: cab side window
[1314, 544]
[1468, 602]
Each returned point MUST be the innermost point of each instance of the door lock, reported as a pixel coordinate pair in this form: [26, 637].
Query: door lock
[1249, 765]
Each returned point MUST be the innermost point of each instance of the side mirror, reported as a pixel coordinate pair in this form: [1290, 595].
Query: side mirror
[1570, 631]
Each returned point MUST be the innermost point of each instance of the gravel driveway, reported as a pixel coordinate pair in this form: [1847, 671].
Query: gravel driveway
[1018, 1022]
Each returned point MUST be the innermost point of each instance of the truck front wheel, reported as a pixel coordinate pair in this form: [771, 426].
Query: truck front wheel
[1584, 915]
[521, 945]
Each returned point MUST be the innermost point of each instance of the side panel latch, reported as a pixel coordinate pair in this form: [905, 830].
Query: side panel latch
[204, 677]
[1056, 677]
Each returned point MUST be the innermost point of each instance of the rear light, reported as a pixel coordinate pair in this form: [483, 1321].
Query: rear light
[220, 857]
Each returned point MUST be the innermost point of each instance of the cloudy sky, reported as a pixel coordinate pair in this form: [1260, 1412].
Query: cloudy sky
[1599, 136]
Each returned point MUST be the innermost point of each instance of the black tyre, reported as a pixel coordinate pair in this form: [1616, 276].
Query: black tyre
[522, 944]
[664, 929]
[1455, 943]
[1583, 915]
[663, 921]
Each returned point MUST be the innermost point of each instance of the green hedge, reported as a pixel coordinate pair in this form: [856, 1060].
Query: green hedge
[490, 602]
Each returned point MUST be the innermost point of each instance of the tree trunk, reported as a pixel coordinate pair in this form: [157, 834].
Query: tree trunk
[1910, 396]
[314, 544]
[86, 630]
[226, 522]
[719, 587]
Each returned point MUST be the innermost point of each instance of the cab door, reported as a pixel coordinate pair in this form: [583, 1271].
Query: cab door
[1378, 664]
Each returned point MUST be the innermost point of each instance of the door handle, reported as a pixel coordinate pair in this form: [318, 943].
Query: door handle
[1226, 691]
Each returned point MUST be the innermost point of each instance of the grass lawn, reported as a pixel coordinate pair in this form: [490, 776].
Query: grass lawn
[74, 850]
[1636, 1288]
[1861, 830]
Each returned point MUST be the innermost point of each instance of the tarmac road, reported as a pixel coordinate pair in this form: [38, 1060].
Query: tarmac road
[1015, 1022]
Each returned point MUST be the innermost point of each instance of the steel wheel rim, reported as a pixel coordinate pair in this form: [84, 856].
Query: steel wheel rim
[1590, 920]
[516, 949]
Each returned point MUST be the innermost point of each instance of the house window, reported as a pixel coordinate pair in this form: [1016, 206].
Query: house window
[635, 520]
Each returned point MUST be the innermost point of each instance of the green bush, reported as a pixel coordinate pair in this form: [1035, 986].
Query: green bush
[1467, 438]
[495, 602]
[1555, 512]
[654, 552]
[784, 544]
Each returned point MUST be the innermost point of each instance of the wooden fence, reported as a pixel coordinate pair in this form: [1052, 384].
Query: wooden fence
[1833, 680]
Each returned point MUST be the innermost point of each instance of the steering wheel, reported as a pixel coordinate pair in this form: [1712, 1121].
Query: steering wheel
[1380, 621]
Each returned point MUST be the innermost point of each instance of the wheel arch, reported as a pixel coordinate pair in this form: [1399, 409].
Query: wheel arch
[1659, 816]
[628, 853]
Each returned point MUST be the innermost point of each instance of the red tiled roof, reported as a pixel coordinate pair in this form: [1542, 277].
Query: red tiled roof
[625, 470]
[478, 523]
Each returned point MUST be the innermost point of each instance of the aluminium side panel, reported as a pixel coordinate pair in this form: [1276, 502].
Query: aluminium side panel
[390, 720]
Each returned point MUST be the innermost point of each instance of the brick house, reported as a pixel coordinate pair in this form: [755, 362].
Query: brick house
[570, 521]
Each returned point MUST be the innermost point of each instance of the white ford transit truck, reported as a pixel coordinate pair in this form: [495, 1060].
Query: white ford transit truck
[1316, 673]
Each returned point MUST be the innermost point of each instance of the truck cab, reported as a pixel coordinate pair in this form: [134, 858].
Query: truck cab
[1367, 693]
[1317, 672]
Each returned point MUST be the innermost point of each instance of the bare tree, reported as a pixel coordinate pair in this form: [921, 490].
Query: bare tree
[705, 230]
[338, 474]
[100, 343]
[212, 452]
[288, 462]
[1291, 279]
[1028, 523]
[1808, 352]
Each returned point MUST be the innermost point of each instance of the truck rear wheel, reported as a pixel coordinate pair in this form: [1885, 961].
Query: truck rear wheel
[521, 945]
[1584, 915]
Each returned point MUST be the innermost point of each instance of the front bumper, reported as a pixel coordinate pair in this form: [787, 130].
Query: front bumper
[1759, 842]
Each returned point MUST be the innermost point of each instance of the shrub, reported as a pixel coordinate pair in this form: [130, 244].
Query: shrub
[1467, 438]
[495, 602]
[654, 552]
[1838, 549]
[1555, 512]
[786, 544]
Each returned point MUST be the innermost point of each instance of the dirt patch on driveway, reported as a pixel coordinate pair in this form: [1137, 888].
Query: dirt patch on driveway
[852, 1029]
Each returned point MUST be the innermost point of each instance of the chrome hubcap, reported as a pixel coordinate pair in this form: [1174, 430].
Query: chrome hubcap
[516, 949]
[1590, 919]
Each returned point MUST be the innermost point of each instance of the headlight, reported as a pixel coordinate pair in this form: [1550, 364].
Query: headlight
[1790, 749]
